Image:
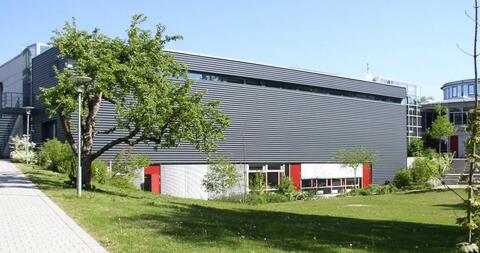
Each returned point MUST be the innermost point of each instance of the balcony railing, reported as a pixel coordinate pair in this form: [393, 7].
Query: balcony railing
[12, 100]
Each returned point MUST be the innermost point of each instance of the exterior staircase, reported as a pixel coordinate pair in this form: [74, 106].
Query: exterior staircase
[7, 123]
[459, 168]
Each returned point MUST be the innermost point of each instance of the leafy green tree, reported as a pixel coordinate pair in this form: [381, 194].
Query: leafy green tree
[354, 157]
[257, 183]
[441, 127]
[221, 176]
[287, 188]
[150, 90]
[415, 147]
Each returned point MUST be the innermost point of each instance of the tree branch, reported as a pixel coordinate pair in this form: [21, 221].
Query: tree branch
[68, 131]
[109, 99]
[465, 52]
[115, 142]
[108, 131]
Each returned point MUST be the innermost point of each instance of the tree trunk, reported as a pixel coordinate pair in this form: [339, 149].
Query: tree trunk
[87, 172]
[355, 178]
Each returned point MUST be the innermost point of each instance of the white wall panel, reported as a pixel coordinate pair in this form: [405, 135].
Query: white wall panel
[329, 170]
[186, 181]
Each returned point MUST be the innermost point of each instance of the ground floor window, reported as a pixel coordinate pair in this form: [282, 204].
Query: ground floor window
[272, 173]
[320, 186]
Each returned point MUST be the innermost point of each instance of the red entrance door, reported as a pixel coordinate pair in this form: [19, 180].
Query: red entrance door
[454, 145]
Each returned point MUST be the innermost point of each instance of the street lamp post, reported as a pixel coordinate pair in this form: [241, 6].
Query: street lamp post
[80, 80]
[28, 110]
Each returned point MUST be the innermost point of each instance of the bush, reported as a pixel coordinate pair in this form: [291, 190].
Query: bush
[423, 169]
[19, 152]
[100, 171]
[415, 147]
[363, 192]
[254, 198]
[126, 163]
[257, 185]
[121, 182]
[402, 178]
[57, 156]
[221, 176]
[287, 188]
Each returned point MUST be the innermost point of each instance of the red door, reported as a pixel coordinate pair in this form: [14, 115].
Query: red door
[454, 145]
[153, 172]
[367, 175]
[295, 175]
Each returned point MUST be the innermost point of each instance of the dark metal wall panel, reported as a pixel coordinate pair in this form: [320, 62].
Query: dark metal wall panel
[279, 125]
[289, 75]
[43, 76]
[275, 125]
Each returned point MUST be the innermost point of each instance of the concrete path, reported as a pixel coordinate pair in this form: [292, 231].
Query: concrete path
[31, 222]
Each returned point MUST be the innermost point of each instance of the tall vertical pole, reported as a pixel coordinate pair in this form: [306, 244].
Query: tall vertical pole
[79, 147]
[474, 129]
[28, 135]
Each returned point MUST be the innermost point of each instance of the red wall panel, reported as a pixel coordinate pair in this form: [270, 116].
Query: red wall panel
[296, 175]
[154, 171]
[367, 175]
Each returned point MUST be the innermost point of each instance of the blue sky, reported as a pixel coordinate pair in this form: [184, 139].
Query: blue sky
[406, 40]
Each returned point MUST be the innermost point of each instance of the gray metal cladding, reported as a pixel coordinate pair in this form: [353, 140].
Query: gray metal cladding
[275, 125]
[289, 75]
[43, 76]
[279, 125]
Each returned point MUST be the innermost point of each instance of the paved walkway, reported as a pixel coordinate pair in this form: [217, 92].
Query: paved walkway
[31, 222]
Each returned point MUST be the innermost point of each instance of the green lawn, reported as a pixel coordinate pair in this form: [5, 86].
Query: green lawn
[135, 221]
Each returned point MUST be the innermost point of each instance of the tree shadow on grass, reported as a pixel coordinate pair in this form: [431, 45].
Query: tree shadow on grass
[229, 229]
[458, 206]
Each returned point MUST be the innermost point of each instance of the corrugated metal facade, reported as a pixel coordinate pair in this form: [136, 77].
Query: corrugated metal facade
[276, 125]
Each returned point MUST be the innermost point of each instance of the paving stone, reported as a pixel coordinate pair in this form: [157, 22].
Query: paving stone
[32, 222]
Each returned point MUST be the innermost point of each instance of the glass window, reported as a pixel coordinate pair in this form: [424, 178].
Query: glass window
[445, 94]
[273, 179]
[454, 91]
[306, 183]
[336, 182]
[470, 90]
[465, 90]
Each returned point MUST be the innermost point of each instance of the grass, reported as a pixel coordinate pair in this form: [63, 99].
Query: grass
[136, 221]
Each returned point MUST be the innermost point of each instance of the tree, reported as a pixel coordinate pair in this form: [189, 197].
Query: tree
[472, 221]
[441, 127]
[424, 99]
[150, 90]
[415, 147]
[221, 176]
[354, 157]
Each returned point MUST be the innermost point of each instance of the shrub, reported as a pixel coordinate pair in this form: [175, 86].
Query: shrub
[121, 182]
[305, 195]
[254, 198]
[19, 152]
[386, 189]
[221, 176]
[363, 191]
[423, 169]
[257, 185]
[125, 164]
[287, 188]
[57, 156]
[100, 171]
[402, 178]
[415, 147]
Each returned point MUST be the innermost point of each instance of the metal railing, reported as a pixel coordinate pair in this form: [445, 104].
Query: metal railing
[12, 100]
